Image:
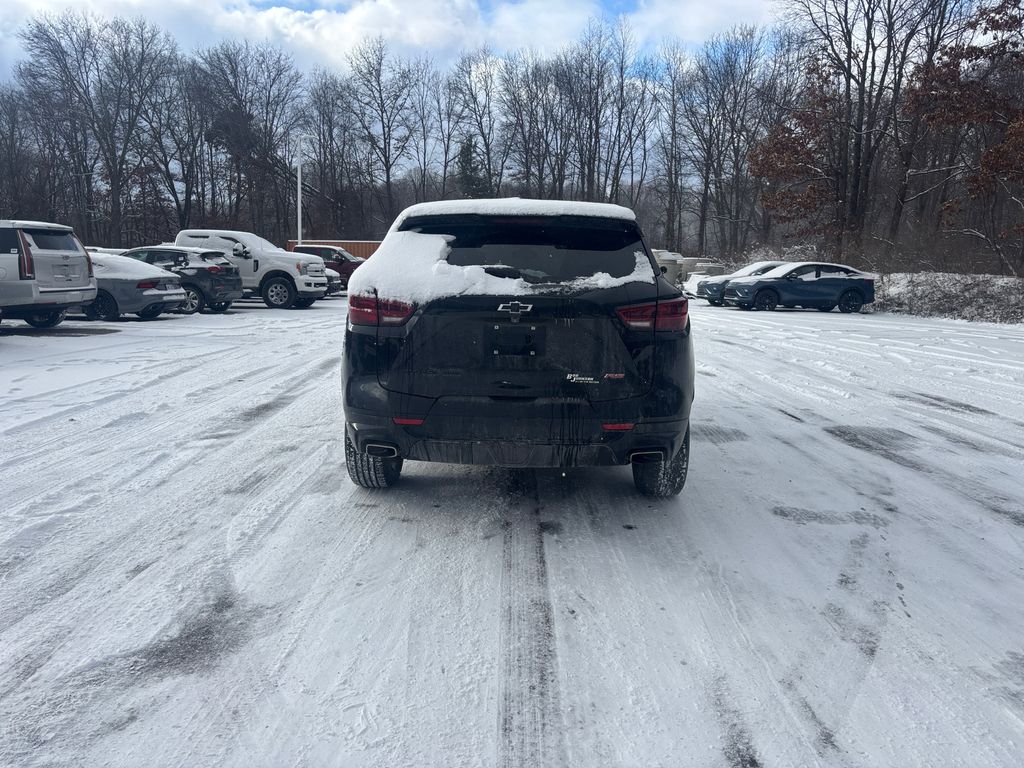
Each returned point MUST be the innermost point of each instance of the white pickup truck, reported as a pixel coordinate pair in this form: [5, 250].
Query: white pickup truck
[284, 279]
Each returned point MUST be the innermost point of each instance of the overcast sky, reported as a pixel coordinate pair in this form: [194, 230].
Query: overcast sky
[323, 31]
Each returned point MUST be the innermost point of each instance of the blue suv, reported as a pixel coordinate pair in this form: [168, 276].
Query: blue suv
[814, 285]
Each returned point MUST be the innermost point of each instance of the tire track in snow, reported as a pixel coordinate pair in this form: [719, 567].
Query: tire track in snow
[530, 731]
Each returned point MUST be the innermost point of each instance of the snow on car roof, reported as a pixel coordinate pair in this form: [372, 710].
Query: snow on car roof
[413, 267]
[782, 269]
[24, 224]
[515, 206]
[124, 267]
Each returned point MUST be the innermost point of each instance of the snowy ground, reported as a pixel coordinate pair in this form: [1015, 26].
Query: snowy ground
[188, 578]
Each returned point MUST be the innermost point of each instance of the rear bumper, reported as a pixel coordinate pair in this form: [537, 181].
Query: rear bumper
[219, 294]
[553, 443]
[50, 301]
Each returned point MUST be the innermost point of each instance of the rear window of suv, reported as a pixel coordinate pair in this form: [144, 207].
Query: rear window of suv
[539, 249]
[51, 239]
[9, 240]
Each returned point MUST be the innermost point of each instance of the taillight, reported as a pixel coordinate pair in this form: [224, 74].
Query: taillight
[26, 264]
[622, 426]
[667, 315]
[213, 269]
[407, 422]
[146, 285]
[88, 259]
[369, 310]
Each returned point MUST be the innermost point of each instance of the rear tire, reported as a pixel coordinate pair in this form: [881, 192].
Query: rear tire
[194, 301]
[47, 319]
[662, 479]
[103, 307]
[850, 302]
[219, 306]
[303, 303]
[716, 302]
[278, 293]
[766, 300]
[371, 471]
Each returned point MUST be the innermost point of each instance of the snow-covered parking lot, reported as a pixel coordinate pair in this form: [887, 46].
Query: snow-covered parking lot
[188, 578]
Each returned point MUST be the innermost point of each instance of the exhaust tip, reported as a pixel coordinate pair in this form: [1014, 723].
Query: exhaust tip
[646, 457]
[381, 451]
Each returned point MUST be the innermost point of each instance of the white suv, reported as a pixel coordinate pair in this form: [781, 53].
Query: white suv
[44, 270]
[282, 278]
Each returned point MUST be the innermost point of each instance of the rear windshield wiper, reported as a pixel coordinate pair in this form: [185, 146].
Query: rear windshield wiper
[527, 275]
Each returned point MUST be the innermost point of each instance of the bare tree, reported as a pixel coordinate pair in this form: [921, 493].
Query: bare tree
[382, 94]
[107, 71]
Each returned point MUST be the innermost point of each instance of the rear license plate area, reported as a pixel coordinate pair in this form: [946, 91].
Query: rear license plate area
[520, 340]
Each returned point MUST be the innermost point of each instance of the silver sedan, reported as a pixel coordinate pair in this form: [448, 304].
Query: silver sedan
[129, 286]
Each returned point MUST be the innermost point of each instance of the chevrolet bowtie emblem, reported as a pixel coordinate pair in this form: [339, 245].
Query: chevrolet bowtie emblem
[515, 309]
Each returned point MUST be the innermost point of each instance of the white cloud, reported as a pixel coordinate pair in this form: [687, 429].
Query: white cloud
[322, 32]
[543, 25]
[694, 21]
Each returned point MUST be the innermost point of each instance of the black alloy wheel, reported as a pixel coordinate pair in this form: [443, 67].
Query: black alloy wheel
[103, 307]
[766, 300]
[851, 302]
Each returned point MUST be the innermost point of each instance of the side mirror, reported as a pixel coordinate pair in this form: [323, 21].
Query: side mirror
[240, 251]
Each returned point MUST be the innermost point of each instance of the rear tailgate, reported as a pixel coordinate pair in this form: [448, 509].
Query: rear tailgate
[60, 260]
[540, 346]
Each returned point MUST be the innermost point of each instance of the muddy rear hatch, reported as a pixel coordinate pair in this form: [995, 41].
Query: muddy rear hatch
[561, 335]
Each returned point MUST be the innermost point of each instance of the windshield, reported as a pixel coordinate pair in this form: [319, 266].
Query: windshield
[264, 244]
[781, 271]
[539, 249]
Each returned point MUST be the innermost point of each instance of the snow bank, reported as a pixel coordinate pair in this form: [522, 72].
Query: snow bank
[412, 267]
[514, 206]
[985, 298]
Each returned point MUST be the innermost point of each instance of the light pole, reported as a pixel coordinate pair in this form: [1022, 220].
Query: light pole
[298, 194]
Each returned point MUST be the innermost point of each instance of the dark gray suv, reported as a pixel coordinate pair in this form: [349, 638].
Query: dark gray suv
[209, 279]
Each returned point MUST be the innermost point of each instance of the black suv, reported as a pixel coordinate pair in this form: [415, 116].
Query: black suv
[564, 346]
[209, 279]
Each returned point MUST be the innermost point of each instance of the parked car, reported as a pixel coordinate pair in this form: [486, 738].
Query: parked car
[209, 279]
[335, 257]
[281, 278]
[126, 285]
[335, 284]
[804, 284]
[44, 271]
[713, 288]
[518, 333]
